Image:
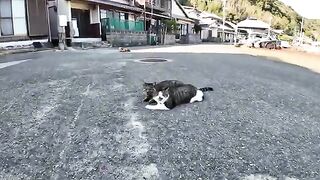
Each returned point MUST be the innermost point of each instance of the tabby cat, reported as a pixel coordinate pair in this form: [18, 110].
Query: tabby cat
[151, 89]
[173, 96]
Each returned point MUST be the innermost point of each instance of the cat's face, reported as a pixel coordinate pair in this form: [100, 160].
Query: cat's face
[162, 96]
[149, 89]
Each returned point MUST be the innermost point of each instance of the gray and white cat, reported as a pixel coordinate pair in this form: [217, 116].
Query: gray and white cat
[173, 96]
[151, 89]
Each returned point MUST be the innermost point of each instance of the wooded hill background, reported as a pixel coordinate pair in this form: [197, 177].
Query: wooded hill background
[280, 15]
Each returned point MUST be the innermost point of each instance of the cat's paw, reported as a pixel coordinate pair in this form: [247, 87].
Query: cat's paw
[149, 106]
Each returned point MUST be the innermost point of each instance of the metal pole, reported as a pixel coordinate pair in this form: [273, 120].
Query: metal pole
[49, 27]
[224, 19]
[235, 35]
[151, 20]
[144, 10]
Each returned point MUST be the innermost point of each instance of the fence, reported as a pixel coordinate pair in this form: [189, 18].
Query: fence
[122, 25]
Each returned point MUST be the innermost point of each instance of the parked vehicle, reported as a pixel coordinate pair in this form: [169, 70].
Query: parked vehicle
[260, 40]
[268, 42]
[253, 39]
[285, 44]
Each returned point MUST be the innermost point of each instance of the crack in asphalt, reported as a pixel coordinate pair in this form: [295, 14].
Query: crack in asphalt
[72, 125]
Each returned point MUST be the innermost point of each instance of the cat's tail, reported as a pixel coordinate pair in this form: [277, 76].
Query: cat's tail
[204, 89]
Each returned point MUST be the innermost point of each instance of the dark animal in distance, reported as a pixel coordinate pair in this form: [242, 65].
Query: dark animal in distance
[121, 49]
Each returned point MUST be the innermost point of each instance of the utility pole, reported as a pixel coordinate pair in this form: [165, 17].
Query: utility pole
[48, 21]
[144, 15]
[301, 31]
[269, 29]
[150, 29]
[224, 19]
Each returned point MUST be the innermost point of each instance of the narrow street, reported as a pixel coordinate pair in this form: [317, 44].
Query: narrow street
[80, 115]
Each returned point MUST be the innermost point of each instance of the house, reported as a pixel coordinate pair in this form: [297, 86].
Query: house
[229, 30]
[252, 26]
[156, 12]
[122, 23]
[118, 21]
[212, 26]
[185, 33]
[23, 20]
[214, 29]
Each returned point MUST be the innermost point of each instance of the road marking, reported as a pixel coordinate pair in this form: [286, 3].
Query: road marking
[7, 64]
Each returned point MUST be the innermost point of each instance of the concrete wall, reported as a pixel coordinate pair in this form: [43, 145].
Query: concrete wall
[190, 39]
[169, 39]
[194, 38]
[204, 34]
[127, 39]
[212, 39]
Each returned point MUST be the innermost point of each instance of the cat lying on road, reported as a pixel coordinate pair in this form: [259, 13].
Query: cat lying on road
[151, 89]
[171, 97]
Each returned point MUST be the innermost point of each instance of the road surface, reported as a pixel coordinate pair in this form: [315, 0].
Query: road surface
[80, 115]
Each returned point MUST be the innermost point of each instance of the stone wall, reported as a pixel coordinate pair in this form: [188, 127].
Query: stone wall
[169, 39]
[190, 39]
[127, 38]
[212, 39]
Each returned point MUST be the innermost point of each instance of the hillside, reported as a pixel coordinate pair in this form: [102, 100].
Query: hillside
[280, 15]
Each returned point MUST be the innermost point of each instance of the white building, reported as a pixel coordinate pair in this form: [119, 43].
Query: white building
[212, 25]
[12, 19]
[22, 22]
[253, 25]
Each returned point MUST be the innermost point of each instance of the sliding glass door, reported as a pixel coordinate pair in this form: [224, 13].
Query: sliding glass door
[6, 23]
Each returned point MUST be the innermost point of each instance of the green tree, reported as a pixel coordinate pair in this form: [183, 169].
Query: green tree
[215, 7]
[283, 17]
[202, 5]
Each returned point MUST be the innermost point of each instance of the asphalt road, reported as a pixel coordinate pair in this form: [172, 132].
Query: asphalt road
[80, 115]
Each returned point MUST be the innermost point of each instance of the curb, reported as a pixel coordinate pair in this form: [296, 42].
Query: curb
[19, 51]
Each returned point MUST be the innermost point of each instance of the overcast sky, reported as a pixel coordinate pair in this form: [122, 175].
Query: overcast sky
[307, 8]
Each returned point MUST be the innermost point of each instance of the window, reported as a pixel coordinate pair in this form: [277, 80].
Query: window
[6, 23]
[122, 16]
[103, 14]
[116, 15]
[19, 17]
[110, 14]
[184, 29]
